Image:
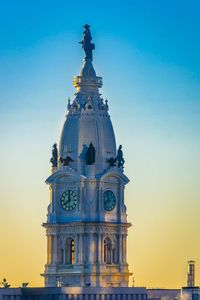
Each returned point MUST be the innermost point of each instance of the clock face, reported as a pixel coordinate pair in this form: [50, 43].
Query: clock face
[109, 200]
[68, 200]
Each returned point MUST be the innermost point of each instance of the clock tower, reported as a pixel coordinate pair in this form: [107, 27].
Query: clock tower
[86, 223]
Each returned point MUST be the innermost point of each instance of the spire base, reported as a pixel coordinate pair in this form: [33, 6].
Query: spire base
[80, 81]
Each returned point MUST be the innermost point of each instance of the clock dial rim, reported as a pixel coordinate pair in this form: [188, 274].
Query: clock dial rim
[107, 194]
[68, 200]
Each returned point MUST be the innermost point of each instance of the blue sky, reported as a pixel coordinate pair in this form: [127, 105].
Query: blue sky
[148, 55]
[166, 29]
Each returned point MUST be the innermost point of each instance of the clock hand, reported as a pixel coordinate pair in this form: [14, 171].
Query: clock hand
[68, 198]
[107, 201]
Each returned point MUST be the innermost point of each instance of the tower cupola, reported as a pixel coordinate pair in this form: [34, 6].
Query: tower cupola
[88, 120]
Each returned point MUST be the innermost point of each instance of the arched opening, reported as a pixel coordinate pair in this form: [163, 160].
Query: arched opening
[107, 251]
[70, 252]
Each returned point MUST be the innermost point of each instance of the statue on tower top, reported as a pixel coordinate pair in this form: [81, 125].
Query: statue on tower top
[86, 42]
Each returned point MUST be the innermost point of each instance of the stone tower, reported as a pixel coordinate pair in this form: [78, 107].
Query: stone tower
[86, 224]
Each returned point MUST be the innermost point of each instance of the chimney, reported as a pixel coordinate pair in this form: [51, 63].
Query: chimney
[191, 274]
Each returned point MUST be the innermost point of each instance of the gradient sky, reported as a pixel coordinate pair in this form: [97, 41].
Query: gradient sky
[148, 55]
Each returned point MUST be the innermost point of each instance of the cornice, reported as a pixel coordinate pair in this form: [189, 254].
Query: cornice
[82, 227]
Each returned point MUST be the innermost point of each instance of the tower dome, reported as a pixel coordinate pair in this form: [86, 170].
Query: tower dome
[88, 122]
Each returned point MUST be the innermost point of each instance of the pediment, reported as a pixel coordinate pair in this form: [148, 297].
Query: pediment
[113, 173]
[64, 174]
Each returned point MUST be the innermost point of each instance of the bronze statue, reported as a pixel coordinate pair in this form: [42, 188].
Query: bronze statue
[90, 155]
[54, 158]
[4, 284]
[112, 161]
[120, 158]
[66, 161]
[86, 42]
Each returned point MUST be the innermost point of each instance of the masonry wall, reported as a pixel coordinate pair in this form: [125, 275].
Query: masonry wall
[73, 294]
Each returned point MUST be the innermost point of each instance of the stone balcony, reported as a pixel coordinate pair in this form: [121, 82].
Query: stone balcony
[80, 81]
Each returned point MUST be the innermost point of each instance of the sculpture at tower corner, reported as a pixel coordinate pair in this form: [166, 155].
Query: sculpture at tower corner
[54, 158]
[120, 158]
[66, 161]
[86, 42]
[112, 161]
[90, 155]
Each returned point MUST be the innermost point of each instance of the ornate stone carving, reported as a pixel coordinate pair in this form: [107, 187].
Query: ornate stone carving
[108, 185]
[112, 161]
[81, 228]
[66, 185]
[66, 161]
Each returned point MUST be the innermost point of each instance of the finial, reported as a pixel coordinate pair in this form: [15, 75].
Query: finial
[106, 104]
[69, 104]
[86, 42]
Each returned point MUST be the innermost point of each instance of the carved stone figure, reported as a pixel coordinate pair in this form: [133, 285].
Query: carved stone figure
[86, 42]
[112, 161]
[54, 158]
[66, 161]
[4, 284]
[90, 155]
[120, 158]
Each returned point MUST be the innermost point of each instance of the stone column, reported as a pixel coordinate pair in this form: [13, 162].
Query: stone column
[53, 195]
[91, 247]
[125, 244]
[76, 249]
[64, 256]
[54, 249]
[59, 251]
[120, 249]
[102, 248]
[99, 249]
[49, 249]
[124, 248]
[81, 248]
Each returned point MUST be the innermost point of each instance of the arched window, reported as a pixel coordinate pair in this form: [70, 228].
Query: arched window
[107, 251]
[70, 252]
